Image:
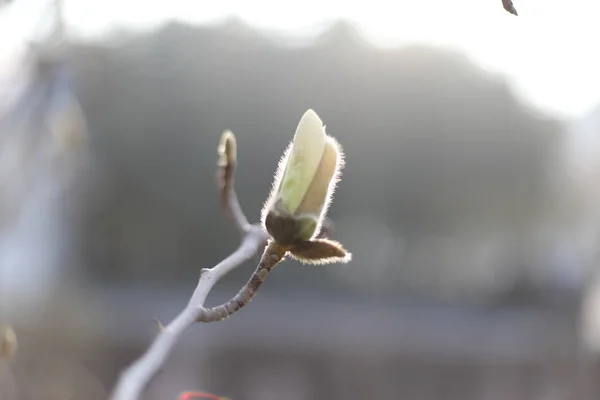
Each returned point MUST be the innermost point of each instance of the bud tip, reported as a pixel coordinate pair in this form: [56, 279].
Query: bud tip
[227, 148]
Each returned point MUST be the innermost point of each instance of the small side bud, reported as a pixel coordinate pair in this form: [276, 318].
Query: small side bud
[320, 251]
[8, 343]
[227, 149]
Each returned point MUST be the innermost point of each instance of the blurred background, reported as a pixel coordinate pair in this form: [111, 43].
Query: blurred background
[470, 199]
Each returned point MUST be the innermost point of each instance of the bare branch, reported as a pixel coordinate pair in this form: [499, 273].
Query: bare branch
[136, 378]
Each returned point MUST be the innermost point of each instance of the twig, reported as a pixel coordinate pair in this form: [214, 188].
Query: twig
[272, 255]
[508, 6]
[136, 378]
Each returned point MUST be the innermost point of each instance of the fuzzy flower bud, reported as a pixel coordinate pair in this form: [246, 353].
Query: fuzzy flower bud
[304, 183]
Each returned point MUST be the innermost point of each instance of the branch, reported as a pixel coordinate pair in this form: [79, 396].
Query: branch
[136, 378]
[272, 255]
[508, 6]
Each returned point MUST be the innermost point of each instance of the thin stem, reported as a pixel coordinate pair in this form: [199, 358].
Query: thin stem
[272, 255]
[508, 6]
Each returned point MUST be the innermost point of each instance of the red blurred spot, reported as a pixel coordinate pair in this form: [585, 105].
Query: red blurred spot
[199, 395]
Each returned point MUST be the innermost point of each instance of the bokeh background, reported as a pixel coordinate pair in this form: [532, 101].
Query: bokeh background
[470, 199]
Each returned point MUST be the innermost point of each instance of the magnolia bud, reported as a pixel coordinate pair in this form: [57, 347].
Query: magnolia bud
[304, 183]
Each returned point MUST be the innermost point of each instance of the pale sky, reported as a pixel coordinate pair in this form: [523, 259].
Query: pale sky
[549, 52]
